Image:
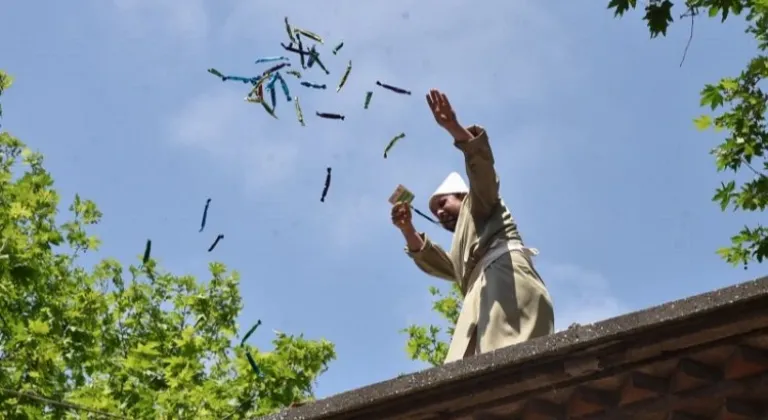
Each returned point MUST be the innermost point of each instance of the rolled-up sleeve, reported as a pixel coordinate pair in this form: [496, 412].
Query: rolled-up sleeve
[432, 259]
[483, 181]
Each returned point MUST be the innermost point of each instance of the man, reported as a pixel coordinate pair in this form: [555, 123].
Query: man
[505, 300]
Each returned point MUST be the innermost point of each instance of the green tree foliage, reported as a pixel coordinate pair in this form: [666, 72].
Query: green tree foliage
[135, 343]
[738, 106]
[429, 343]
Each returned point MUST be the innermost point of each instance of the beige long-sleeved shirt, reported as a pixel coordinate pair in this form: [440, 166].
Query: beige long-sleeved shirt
[483, 218]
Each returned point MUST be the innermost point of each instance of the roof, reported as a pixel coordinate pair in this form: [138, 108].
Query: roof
[701, 357]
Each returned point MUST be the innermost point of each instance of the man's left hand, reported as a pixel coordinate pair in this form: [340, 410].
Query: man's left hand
[445, 116]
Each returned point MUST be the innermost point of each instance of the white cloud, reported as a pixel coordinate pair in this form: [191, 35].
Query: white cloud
[223, 128]
[185, 19]
[579, 294]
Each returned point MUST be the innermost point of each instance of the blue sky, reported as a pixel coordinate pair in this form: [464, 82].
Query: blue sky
[590, 122]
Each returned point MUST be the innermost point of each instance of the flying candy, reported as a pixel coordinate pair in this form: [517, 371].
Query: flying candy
[289, 29]
[273, 96]
[216, 73]
[394, 89]
[291, 48]
[236, 78]
[252, 362]
[147, 252]
[270, 59]
[312, 55]
[315, 58]
[216, 242]
[258, 87]
[256, 95]
[299, 114]
[205, 213]
[327, 185]
[295, 73]
[344, 77]
[250, 332]
[241, 79]
[313, 85]
[284, 86]
[392, 143]
[301, 48]
[300, 51]
[330, 116]
[271, 89]
[269, 110]
[306, 33]
[276, 68]
[368, 96]
[338, 47]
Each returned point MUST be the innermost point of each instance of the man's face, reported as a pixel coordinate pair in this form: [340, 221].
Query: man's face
[447, 210]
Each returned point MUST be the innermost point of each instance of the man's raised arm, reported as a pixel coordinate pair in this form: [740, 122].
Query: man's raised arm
[473, 141]
[478, 158]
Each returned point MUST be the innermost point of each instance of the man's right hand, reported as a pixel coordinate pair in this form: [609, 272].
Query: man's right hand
[401, 216]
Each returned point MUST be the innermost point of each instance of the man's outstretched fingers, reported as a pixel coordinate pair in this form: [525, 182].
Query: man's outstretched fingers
[444, 101]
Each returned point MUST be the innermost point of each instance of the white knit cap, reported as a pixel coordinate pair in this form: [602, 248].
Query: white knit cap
[453, 184]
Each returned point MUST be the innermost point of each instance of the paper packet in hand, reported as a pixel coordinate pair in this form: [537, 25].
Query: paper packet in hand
[401, 194]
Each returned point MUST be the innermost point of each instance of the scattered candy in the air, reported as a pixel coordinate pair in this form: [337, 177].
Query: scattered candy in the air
[258, 87]
[309, 58]
[311, 35]
[313, 85]
[284, 86]
[299, 114]
[327, 185]
[301, 51]
[288, 29]
[344, 77]
[240, 79]
[314, 57]
[147, 252]
[205, 214]
[291, 48]
[270, 59]
[276, 68]
[271, 89]
[330, 116]
[250, 332]
[392, 143]
[272, 96]
[368, 96]
[267, 108]
[216, 242]
[252, 362]
[394, 89]
[216, 73]
[338, 47]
